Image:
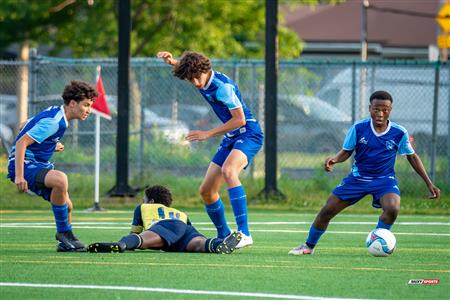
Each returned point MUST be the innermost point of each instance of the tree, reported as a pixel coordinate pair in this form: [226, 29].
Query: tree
[219, 28]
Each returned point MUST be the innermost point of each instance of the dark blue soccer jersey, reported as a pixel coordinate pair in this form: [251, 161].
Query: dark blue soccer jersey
[375, 153]
[223, 95]
[46, 128]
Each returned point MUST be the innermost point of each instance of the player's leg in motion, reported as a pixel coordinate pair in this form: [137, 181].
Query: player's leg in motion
[214, 245]
[145, 240]
[232, 167]
[333, 206]
[390, 203]
[209, 191]
[62, 207]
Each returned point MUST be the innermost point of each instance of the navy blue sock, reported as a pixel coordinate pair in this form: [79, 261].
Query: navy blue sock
[238, 200]
[61, 213]
[381, 224]
[216, 213]
[132, 241]
[212, 244]
[314, 236]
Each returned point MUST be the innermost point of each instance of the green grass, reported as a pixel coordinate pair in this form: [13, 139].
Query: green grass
[341, 266]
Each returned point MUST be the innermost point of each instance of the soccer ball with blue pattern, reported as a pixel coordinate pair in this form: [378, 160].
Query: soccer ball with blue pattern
[380, 242]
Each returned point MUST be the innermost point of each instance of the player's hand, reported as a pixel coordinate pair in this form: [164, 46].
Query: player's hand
[197, 135]
[21, 183]
[167, 57]
[329, 162]
[435, 192]
[59, 147]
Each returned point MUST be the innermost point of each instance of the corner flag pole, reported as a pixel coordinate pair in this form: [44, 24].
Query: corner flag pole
[100, 108]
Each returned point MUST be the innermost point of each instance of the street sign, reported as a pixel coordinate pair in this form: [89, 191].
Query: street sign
[443, 41]
[443, 17]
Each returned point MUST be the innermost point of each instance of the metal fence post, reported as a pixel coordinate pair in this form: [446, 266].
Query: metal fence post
[353, 93]
[32, 80]
[434, 124]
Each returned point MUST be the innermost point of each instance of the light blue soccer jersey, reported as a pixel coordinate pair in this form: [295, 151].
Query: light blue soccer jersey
[223, 95]
[375, 153]
[46, 128]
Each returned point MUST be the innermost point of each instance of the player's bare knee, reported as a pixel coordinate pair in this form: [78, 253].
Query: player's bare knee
[59, 181]
[229, 173]
[205, 192]
[391, 211]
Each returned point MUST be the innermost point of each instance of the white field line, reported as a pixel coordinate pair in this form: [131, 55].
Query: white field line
[250, 223]
[126, 227]
[164, 290]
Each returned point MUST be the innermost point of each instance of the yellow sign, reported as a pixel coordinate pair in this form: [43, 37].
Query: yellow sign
[443, 17]
[443, 41]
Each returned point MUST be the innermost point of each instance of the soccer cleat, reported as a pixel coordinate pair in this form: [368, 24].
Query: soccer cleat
[246, 240]
[301, 250]
[229, 243]
[107, 247]
[68, 242]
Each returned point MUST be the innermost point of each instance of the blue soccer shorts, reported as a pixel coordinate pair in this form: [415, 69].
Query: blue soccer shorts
[248, 143]
[175, 233]
[353, 189]
[34, 173]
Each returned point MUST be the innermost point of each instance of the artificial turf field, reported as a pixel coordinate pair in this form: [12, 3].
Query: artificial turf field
[341, 267]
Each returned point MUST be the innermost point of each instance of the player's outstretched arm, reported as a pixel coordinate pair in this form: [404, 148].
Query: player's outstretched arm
[415, 161]
[341, 156]
[21, 146]
[237, 120]
[167, 57]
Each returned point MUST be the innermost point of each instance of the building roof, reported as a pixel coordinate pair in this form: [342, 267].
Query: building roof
[391, 23]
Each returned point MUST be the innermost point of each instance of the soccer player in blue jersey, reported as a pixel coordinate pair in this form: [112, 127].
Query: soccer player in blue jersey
[243, 138]
[29, 167]
[158, 226]
[375, 141]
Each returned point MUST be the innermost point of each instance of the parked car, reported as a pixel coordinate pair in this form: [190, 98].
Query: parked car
[6, 137]
[308, 124]
[173, 131]
[8, 115]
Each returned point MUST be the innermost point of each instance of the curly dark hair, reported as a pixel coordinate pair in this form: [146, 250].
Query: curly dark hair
[79, 90]
[381, 95]
[191, 65]
[158, 194]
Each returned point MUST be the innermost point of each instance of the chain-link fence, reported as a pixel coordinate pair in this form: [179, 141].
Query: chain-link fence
[317, 102]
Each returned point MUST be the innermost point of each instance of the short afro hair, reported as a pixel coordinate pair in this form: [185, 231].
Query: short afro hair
[158, 194]
[381, 95]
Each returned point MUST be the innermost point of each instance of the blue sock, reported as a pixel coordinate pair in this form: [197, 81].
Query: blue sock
[238, 200]
[216, 212]
[61, 213]
[381, 224]
[314, 236]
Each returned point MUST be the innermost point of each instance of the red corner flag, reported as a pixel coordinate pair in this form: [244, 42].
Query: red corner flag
[100, 105]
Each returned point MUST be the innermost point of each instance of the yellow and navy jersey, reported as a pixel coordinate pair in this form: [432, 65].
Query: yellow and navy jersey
[145, 215]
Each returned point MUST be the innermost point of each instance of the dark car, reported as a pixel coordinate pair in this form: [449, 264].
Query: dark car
[308, 124]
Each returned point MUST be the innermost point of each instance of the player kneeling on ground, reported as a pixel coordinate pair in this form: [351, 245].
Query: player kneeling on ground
[157, 226]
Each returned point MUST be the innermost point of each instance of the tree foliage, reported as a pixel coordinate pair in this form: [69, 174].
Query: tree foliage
[89, 28]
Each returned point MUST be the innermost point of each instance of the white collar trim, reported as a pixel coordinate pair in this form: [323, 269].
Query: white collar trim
[64, 114]
[381, 133]
[209, 81]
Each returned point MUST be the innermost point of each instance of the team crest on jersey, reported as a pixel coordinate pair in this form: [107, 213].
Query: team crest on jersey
[390, 144]
[363, 141]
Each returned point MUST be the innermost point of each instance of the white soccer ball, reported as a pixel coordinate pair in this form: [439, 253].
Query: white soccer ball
[380, 242]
